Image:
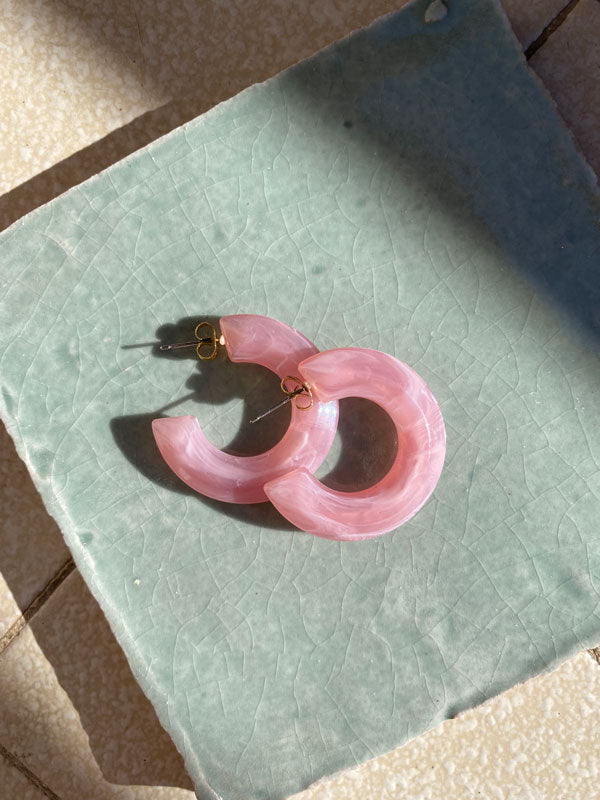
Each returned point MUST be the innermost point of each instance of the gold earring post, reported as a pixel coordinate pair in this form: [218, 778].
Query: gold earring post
[302, 388]
[201, 341]
[213, 341]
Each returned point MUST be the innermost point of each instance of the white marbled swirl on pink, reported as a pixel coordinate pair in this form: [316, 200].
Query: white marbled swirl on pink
[240, 479]
[381, 378]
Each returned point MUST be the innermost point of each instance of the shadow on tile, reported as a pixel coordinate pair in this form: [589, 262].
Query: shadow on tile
[31, 544]
[192, 45]
[125, 735]
[557, 260]
[126, 739]
[97, 156]
[363, 453]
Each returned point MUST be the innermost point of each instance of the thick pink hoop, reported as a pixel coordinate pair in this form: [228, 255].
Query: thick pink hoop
[240, 479]
[376, 376]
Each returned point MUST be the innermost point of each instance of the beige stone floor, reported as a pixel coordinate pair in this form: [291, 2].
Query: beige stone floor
[84, 82]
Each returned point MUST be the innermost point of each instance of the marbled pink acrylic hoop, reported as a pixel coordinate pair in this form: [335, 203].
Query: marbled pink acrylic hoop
[240, 479]
[376, 376]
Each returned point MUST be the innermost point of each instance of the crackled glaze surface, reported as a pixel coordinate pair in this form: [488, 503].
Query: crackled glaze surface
[385, 194]
[375, 376]
[254, 339]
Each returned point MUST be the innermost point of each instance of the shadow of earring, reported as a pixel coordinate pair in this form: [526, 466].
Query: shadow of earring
[364, 448]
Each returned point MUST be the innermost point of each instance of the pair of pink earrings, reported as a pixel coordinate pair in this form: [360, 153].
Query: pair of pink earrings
[284, 474]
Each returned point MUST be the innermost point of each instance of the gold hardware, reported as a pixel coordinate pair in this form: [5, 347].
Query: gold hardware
[213, 341]
[301, 388]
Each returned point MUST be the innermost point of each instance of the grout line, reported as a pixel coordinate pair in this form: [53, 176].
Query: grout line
[37, 602]
[550, 28]
[595, 654]
[16, 762]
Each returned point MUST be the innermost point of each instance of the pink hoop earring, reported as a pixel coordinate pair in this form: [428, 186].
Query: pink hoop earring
[379, 377]
[241, 479]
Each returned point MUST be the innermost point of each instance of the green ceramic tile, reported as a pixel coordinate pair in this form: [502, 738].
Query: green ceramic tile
[410, 189]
